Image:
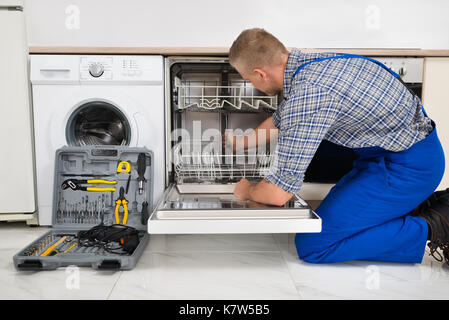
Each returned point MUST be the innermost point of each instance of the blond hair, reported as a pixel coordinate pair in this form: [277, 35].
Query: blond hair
[256, 48]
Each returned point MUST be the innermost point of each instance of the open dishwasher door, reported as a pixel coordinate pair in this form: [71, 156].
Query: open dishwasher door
[210, 213]
[205, 99]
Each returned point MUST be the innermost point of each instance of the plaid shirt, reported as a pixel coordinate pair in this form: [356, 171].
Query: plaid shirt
[350, 102]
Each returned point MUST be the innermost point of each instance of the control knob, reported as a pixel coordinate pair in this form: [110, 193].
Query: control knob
[402, 71]
[96, 69]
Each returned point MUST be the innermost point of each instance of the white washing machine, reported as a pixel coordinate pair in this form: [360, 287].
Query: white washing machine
[95, 100]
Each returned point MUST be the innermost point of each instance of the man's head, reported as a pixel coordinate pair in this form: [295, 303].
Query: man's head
[260, 58]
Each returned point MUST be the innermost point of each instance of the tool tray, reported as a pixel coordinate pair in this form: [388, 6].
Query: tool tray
[81, 210]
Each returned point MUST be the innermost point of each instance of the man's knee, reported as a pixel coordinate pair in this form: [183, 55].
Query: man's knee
[310, 258]
[306, 247]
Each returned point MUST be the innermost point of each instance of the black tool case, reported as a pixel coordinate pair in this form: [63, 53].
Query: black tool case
[76, 211]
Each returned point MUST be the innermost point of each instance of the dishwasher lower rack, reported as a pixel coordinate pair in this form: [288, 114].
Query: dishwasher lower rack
[184, 211]
[213, 167]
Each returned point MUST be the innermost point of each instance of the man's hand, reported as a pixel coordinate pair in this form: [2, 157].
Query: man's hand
[263, 192]
[264, 133]
[241, 190]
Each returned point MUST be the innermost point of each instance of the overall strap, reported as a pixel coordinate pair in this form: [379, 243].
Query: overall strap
[347, 55]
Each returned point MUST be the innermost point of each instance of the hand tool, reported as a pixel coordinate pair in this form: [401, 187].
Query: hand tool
[69, 213]
[74, 184]
[144, 217]
[121, 201]
[71, 246]
[124, 166]
[59, 212]
[50, 249]
[134, 203]
[86, 175]
[77, 213]
[111, 199]
[64, 245]
[127, 183]
[141, 167]
[36, 248]
[60, 247]
[87, 207]
[103, 207]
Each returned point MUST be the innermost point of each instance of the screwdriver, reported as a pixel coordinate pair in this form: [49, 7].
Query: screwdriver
[141, 167]
[144, 216]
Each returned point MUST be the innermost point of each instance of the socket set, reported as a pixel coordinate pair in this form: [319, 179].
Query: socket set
[51, 245]
[101, 197]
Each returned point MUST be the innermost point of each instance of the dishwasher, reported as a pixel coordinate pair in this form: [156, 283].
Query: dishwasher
[205, 98]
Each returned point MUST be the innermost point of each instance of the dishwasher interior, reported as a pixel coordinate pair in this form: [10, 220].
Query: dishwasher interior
[206, 98]
[207, 101]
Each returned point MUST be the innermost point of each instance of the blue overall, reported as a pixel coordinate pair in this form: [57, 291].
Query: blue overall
[365, 216]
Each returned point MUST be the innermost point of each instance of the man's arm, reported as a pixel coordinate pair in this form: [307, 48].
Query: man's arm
[306, 117]
[263, 133]
[263, 192]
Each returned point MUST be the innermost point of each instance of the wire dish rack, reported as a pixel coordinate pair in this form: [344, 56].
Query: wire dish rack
[197, 166]
[210, 95]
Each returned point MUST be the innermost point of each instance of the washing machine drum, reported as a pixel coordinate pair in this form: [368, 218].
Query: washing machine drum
[98, 123]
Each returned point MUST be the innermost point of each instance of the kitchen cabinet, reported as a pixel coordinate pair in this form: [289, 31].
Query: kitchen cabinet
[435, 98]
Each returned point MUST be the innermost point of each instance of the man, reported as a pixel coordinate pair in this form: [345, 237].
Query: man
[376, 211]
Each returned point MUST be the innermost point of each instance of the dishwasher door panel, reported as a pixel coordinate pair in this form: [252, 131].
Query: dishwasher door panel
[212, 213]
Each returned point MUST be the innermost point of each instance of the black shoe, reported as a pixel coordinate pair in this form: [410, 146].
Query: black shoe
[435, 210]
[434, 198]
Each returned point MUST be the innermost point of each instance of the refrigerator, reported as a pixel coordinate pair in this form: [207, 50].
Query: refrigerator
[17, 174]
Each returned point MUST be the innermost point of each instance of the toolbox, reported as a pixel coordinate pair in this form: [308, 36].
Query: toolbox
[94, 187]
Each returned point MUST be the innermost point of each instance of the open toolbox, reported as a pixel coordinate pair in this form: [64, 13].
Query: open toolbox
[94, 187]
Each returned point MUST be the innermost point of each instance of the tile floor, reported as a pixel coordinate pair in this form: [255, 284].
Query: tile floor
[259, 266]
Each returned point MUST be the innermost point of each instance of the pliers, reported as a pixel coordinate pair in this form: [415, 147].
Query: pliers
[74, 184]
[121, 201]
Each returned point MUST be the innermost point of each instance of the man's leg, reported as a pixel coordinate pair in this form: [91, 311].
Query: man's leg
[365, 215]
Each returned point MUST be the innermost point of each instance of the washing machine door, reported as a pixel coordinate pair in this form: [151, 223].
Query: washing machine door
[109, 120]
[98, 123]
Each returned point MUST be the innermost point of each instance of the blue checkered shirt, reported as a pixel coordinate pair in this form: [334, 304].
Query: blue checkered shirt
[350, 102]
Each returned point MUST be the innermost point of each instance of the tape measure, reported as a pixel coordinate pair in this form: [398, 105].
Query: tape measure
[124, 166]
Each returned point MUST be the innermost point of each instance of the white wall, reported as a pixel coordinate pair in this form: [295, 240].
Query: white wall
[300, 23]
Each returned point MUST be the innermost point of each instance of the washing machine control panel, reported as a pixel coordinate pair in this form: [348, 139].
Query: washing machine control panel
[121, 69]
[96, 68]
[130, 67]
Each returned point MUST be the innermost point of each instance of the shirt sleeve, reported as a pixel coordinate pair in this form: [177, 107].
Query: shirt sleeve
[276, 117]
[304, 121]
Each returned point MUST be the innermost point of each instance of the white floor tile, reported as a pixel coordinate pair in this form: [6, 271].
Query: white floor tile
[214, 243]
[62, 283]
[254, 266]
[368, 279]
[207, 275]
[18, 235]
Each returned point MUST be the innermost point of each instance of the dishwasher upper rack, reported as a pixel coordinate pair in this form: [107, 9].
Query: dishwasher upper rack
[197, 166]
[211, 95]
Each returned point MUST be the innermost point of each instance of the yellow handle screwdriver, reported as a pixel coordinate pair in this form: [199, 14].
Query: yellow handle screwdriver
[73, 245]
